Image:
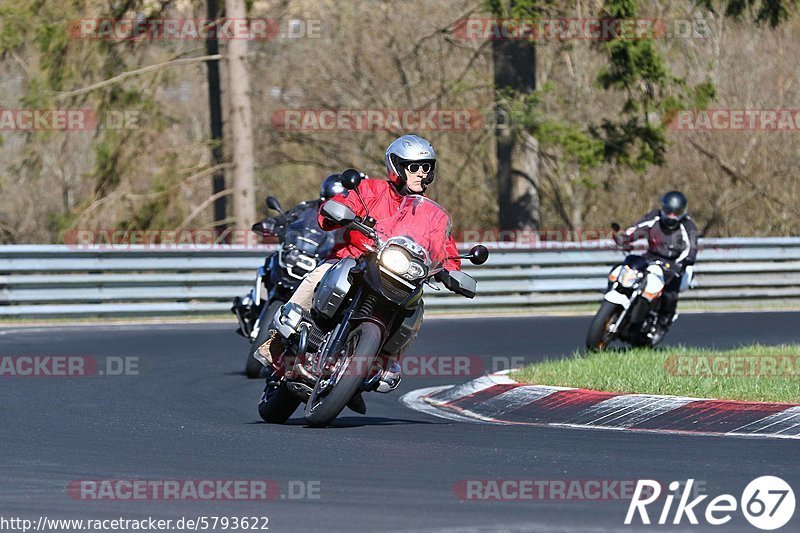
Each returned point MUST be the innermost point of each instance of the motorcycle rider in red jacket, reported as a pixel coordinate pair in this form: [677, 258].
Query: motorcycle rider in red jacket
[410, 165]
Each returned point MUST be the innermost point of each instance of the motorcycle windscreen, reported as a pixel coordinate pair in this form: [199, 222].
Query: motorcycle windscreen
[306, 235]
[423, 221]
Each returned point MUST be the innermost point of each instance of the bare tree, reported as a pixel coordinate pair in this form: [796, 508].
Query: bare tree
[241, 123]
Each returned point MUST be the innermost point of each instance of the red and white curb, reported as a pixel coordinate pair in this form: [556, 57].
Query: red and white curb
[496, 399]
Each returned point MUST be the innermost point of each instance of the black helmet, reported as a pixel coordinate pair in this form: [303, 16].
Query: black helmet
[673, 209]
[331, 186]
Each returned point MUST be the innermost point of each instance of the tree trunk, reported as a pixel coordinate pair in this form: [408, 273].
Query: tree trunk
[215, 108]
[518, 198]
[241, 124]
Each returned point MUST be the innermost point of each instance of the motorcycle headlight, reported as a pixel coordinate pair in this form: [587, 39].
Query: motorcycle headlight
[416, 270]
[628, 277]
[396, 260]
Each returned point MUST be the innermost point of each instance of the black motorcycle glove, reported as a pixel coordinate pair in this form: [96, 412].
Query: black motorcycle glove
[267, 226]
[443, 277]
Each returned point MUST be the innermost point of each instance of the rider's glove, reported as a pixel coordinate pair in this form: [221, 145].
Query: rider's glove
[266, 226]
[624, 243]
[443, 277]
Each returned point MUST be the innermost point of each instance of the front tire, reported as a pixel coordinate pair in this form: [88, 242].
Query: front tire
[599, 337]
[362, 345]
[253, 366]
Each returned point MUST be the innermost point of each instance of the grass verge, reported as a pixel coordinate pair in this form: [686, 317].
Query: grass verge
[754, 373]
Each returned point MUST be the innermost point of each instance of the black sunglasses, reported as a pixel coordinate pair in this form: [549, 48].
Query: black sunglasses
[413, 167]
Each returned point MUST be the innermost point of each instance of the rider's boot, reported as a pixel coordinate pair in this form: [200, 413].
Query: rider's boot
[390, 378]
[271, 350]
[661, 327]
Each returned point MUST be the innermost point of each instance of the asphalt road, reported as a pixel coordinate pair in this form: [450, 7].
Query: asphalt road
[189, 413]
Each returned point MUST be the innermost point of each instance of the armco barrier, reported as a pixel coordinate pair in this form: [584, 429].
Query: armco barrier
[57, 280]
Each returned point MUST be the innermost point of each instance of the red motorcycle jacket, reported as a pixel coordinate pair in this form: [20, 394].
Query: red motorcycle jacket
[382, 201]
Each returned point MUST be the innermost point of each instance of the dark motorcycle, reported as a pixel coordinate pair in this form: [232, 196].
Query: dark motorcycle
[303, 245]
[629, 311]
[364, 309]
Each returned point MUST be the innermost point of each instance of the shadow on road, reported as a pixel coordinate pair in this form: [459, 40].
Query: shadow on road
[354, 422]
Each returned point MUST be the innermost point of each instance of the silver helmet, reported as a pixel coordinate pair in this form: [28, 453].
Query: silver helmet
[406, 149]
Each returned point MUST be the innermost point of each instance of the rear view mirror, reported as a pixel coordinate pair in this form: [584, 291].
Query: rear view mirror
[478, 255]
[463, 284]
[339, 213]
[351, 178]
[274, 204]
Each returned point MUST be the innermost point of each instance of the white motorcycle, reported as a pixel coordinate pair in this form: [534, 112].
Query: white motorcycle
[629, 311]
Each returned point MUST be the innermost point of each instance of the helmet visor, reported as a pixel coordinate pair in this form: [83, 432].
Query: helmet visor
[673, 213]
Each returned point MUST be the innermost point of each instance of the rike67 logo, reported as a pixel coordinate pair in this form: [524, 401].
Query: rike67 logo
[767, 503]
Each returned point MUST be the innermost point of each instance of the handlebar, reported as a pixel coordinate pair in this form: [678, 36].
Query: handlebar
[366, 230]
[268, 226]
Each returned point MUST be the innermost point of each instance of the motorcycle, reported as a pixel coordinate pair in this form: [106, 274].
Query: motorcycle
[303, 245]
[363, 310]
[629, 311]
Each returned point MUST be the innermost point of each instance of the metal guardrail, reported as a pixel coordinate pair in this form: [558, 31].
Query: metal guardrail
[58, 280]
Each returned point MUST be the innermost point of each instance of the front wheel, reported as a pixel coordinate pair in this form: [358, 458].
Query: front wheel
[253, 366]
[359, 353]
[599, 337]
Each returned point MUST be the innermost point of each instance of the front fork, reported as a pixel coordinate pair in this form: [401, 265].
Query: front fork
[614, 328]
[331, 351]
[250, 322]
[325, 360]
[248, 310]
[637, 309]
[298, 324]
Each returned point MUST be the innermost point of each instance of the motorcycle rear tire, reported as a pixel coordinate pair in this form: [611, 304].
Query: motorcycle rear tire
[281, 406]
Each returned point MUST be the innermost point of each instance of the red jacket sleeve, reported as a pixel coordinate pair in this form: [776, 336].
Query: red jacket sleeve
[452, 250]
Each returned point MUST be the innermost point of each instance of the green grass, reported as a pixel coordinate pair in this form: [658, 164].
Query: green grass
[755, 373]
